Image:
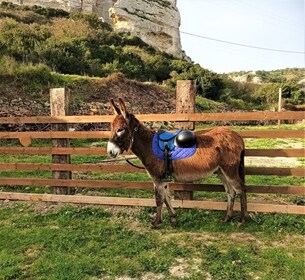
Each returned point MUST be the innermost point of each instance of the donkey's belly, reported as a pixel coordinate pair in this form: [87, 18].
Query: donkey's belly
[192, 175]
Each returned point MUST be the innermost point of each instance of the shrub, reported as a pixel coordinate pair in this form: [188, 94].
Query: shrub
[34, 78]
[21, 40]
[66, 56]
[8, 66]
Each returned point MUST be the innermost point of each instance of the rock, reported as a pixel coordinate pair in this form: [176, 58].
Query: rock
[155, 22]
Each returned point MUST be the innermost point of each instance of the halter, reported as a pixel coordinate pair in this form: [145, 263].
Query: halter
[131, 144]
[132, 136]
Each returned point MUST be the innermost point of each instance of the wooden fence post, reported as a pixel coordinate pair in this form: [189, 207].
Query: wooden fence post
[59, 103]
[279, 109]
[185, 103]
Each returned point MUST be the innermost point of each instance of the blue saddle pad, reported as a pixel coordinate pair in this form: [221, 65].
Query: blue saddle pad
[162, 139]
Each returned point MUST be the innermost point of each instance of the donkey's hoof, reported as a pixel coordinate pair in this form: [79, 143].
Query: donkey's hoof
[173, 221]
[227, 218]
[155, 225]
[247, 216]
[156, 222]
[240, 224]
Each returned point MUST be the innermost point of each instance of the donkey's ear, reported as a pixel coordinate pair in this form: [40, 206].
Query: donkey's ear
[123, 108]
[115, 108]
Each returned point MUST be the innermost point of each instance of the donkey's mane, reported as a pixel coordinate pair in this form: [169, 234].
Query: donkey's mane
[134, 122]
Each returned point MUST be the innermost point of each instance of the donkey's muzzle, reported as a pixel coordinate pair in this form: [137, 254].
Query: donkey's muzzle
[113, 150]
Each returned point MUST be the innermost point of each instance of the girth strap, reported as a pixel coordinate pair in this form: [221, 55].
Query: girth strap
[169, 146]
[168, 164]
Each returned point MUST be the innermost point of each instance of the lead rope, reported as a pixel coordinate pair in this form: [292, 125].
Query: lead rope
[134, 165]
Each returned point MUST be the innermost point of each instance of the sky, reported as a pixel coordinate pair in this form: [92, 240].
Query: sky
[271, 24]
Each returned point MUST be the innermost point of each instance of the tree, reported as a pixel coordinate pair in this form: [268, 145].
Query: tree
[67, 56]
[209, 84]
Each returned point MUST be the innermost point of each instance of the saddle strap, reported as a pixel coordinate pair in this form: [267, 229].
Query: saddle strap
[168, 163]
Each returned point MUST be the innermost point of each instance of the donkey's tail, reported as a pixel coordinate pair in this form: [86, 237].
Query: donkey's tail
[241, 169]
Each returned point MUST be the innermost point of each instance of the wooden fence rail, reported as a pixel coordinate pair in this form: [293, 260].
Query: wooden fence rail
[125, 168]
[106, 134]
[102, 151]
[114, 184]
[194, 117]
[209, 205]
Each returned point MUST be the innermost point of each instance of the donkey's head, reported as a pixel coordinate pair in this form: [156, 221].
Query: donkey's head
[121, 133]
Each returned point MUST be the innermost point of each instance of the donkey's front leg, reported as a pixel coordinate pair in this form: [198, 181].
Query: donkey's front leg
[171, 211]
[159, 194]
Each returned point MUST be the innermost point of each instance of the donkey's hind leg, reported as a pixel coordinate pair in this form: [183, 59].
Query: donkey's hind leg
[160, 196]
[235, 184]
[231, 194]
[244, 215]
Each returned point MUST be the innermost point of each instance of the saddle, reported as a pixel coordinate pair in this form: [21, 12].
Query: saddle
[171, 146]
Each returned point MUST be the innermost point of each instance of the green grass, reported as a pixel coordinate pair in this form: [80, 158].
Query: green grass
[274, 143]
[46, 242]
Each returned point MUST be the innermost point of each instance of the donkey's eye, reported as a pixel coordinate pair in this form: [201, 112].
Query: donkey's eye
[120, 131]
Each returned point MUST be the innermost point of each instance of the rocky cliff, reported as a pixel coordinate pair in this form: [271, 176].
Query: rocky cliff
[156, 22]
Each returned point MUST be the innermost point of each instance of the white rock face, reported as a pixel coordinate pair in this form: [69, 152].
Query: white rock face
[156, 22]
[249, 77]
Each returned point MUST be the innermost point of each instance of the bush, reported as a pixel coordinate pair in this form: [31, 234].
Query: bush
[206, 105]
[21, 40]
[209, 84]
[93, 21]
[8, 66]
[49, 12]
[34, 78]
[66, 57]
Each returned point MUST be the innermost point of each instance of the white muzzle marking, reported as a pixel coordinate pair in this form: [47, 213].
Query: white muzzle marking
[112, 149]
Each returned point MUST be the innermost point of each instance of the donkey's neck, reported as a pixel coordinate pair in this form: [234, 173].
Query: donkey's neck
[142, 141]
[142, 148]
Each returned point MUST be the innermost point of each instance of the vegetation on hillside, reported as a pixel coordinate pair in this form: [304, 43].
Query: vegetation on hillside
[291, 80]
[46, 40]
[275, 76]
[40, 46]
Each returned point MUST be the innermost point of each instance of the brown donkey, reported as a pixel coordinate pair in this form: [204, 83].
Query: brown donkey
[218, 150]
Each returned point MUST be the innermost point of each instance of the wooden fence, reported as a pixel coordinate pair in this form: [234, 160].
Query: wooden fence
[25, 139]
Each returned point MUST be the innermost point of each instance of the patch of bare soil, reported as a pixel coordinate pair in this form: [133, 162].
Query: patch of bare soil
[142, 97]
[184, 268]
[272, 162]
[39, 206]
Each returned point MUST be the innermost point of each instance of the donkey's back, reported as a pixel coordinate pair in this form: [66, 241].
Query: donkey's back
[217, 148]
[226, 142]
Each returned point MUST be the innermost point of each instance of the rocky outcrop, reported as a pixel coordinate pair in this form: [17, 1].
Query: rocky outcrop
[247, 78]
[156, 22]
